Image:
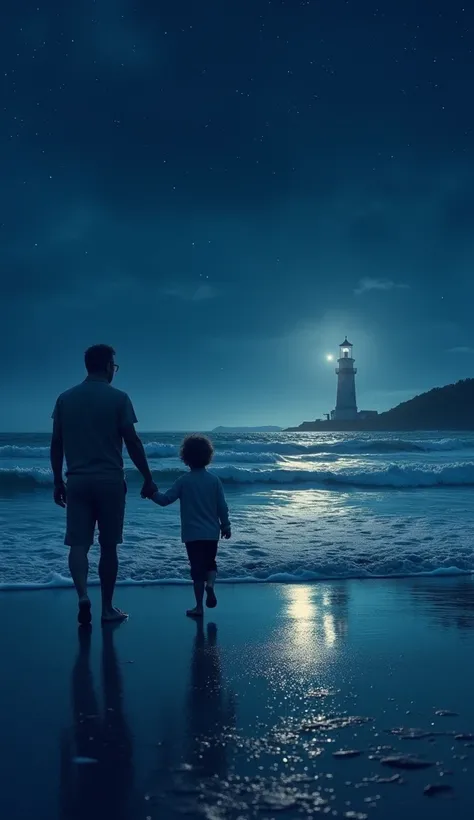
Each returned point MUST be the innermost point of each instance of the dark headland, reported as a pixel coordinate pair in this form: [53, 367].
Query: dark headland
[265, 429]
[443, 408]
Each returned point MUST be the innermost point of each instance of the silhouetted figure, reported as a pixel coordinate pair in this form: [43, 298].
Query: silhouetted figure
[96, 758]
[91, 421]
[204, 517]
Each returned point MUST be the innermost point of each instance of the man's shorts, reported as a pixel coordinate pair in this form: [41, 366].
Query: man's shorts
[202, 557]
[92, 501]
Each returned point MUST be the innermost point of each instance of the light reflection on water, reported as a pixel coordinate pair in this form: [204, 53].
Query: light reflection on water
[317, 618]
[303, 502]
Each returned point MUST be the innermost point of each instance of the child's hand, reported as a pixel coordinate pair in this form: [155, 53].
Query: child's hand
[148, 490]
[226, 534]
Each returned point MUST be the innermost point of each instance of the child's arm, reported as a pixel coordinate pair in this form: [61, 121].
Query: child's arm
[223, 511]
[170, 496]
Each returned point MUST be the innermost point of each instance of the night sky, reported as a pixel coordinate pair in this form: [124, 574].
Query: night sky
[222, 190]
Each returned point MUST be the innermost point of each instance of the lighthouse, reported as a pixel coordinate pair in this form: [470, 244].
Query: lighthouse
[346, 405]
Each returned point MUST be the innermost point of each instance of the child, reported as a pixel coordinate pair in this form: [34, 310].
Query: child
[204, 517]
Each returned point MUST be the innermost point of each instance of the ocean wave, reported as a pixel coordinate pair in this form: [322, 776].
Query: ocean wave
[271, 451]
[258, 450]
[357, 445]
[24, 478]
[228, 456]
[18, 451]
[390, 476]
[157, 449]
[153, 449]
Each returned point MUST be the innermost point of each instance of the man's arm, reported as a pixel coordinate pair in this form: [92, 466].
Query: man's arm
[135, 449]
[57, 459]
[57, 452]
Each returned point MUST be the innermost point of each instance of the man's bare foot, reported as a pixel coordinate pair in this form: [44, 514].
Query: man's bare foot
[113, 615]
[195, 613]
[84, 615]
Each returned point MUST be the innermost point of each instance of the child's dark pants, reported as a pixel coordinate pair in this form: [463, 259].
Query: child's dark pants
[202, 557]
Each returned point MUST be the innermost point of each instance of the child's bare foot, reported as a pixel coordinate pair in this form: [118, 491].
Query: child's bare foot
[211, 600]
[195, 613]
[113, 615]
[84, 615]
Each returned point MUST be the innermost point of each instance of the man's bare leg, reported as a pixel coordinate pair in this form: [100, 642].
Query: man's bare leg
[108, 569]
[79, 569]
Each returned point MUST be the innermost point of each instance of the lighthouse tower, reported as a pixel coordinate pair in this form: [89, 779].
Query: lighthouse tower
[346, 405]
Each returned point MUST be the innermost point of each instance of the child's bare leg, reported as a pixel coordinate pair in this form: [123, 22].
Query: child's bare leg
[199, 595]
[211, 600]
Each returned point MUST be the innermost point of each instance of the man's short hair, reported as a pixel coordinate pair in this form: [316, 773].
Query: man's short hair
[98, 357]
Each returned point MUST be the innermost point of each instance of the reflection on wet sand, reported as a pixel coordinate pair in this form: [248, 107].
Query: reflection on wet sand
[449, 602]
[210, 707]
[318, 617]
[210, 719]
[96, 755]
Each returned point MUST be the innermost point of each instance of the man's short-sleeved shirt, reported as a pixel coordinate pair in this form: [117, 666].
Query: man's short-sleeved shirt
[91, 418]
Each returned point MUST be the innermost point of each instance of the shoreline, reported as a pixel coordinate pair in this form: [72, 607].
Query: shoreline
[278, 579]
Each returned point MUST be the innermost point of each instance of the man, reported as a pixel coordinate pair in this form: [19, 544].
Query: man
[90, 423]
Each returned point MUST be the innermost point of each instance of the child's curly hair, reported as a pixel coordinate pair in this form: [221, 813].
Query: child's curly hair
[196, 451]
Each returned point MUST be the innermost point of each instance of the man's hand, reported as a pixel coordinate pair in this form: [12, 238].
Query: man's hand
[60, 495]
[226, 534]
[149, 489]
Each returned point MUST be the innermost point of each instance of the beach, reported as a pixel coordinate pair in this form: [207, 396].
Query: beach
[343, 639]
[243, 716]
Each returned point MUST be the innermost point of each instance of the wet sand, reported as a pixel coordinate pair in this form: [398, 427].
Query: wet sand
[243, 717]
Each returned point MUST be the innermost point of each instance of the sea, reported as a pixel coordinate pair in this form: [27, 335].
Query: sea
[303, 507]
